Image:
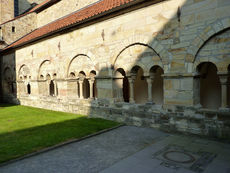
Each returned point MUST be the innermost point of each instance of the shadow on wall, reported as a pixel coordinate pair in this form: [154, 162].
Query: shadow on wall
[142, 72]
[8, 87]
[164, 86]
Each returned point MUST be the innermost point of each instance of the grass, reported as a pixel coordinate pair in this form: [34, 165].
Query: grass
[24, 130]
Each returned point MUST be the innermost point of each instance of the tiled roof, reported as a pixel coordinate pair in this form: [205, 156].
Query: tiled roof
[37, 7]
[98, 8]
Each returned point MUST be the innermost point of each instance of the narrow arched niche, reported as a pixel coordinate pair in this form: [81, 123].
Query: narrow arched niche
[140, 85]
[210, 87]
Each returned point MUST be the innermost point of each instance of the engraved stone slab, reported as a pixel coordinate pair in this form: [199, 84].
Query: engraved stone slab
[176, 157]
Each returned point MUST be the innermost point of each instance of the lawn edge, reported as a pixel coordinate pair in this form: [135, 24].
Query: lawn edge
[59, 145]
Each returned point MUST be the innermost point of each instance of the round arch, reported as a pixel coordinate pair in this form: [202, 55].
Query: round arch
[23, 70]
[39, 69]
[89, 67]
[204, 36]
[154, 44]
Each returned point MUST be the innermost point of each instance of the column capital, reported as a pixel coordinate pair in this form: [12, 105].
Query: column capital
[223, 79]
[91, 80]
[131, 79]
[80, 81]
[149, 79]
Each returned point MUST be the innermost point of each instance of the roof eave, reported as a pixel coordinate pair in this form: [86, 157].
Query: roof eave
[79, 23]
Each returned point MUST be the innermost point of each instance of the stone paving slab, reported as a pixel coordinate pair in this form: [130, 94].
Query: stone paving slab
[131, 149]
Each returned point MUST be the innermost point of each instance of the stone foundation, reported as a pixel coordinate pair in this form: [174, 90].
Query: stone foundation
[189, 120]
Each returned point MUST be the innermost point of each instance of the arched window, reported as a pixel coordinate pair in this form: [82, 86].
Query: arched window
[210, 88]
[28, 89]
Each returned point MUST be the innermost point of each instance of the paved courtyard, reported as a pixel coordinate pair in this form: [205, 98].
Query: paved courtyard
[130, 149]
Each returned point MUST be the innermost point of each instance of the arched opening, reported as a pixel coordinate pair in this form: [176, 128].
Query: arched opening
[156, 73]
[228, 87]
[210, 87]
[84, 85]
[56, 88]
[92, 78]
[12, 88]
[51, 88]
[86, 91]
[28, 89]
[140, 85]
[121, 85]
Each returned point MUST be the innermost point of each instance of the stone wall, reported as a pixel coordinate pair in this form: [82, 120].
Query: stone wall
[141, 39]
[22, 26]
[6, 10]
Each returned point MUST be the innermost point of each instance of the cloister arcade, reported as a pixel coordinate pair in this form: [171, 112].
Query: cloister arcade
[138, 88]
[138, 77]
[132, 86]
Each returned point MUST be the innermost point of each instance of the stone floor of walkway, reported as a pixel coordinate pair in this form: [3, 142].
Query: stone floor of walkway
[130, 149]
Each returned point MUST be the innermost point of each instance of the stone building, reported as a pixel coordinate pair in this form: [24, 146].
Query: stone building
[158, 63]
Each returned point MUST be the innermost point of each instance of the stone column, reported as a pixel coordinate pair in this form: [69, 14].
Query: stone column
[55, 88]
[150, 84]
[223, 81]
[77, 88]
[81, 88]
[131, 88]
[91, 82]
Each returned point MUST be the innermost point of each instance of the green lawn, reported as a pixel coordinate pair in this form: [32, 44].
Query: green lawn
[25, 129]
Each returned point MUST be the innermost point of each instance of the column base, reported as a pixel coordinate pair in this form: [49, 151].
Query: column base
[150, 103]
[224, 109]
[132, 101]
